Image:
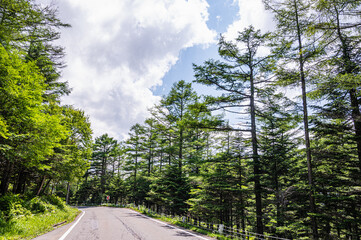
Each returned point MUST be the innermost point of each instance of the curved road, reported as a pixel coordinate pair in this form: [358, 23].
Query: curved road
[118, 223]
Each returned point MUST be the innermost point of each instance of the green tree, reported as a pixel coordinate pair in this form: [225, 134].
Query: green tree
[32, 133]
[237, 77]
[78, 145]
[294, 47]
[104, 150]
[32, 29]
[150, 144]
[279, 143]
[338, 87]
[170, 190]
[117, 190]
[50, 69]
[338, 26]
[336, 160]
[134, 148]
[177, 103]
[223, 192]
[179, 122]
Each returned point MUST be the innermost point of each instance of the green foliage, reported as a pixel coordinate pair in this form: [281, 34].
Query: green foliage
[219, 190]
[45, 204]
[34, 131]
[41, 142]
[116, 190]
[55, 201]
[14, 207]
[26, 225]
[240, 76]
[11, 206]
[170, 190]
[37, 205]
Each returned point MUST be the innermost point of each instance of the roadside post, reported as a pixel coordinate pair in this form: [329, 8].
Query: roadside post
[220, 228]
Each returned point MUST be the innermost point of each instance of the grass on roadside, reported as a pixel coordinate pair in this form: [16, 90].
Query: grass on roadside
[178, 222]
[33, 218]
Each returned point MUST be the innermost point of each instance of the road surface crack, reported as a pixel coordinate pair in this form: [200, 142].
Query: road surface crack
[128, 228]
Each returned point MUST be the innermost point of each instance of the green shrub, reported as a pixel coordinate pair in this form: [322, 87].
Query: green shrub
[37, 205]
[37, 224]
[18, 210]
[11, 206]
[54, 200]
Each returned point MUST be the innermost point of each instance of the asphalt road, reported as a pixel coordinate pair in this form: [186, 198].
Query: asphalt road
[117, 223]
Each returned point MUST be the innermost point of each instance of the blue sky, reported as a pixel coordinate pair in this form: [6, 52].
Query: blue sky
[221, 15]
[122, 56]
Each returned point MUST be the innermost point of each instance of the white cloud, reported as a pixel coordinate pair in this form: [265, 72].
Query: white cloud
[250, 13]
[118, 50]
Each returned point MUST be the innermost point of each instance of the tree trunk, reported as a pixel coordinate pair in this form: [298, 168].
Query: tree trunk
[349, 69]
[150, 160]
[20, 182]
[102, 177]
[169, 153]
[135, 176]
[356, 117]
[180, 160]
[256, 167]
[242, 202]
[67, 193]
[5, 179]
[41, 186]
[161, 160]
[305, 123]
[46, 186]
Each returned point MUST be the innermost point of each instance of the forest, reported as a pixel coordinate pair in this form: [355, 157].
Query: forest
[276, 150]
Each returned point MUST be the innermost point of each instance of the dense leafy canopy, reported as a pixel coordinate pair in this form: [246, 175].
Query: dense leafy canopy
[43, 145]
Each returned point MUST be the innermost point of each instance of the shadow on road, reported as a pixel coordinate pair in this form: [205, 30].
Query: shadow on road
[183, 234]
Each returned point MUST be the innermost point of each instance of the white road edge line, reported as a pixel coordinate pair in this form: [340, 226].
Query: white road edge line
[195, 235]
[71, 228]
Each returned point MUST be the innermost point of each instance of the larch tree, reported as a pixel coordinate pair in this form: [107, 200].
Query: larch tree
[296, 52]
[134, 164]
[177, 104]
[338, 30]
[237, 78]
[104, 149]
[278, 141]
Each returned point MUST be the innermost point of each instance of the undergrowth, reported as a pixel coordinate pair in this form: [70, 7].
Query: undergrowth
[178, 222]
[26, 219]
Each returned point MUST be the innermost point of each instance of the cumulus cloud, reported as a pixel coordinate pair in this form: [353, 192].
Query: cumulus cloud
[250, 13]
[118, 50]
